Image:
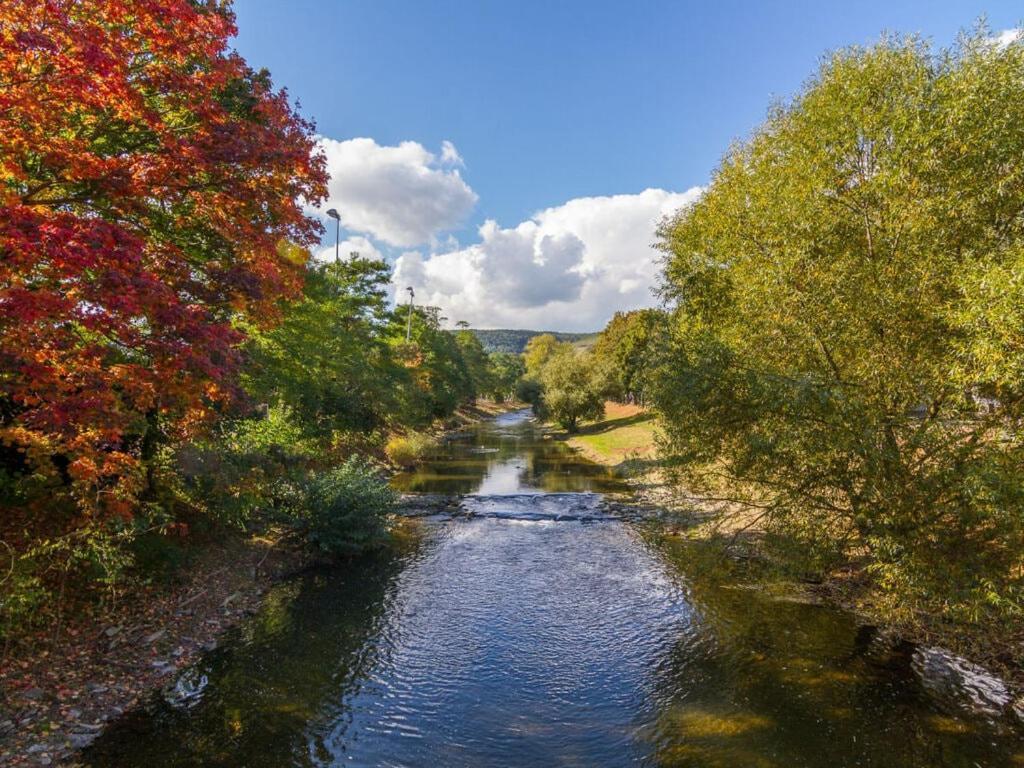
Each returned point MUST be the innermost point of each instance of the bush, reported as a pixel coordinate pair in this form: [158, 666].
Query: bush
[348, 508]
[23, 596]
[406, 450]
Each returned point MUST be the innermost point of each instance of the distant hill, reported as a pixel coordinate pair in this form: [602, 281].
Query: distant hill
[507, 340]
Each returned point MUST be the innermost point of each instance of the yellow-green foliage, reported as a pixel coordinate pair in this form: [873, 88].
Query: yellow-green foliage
[405, 450]
[845, 349]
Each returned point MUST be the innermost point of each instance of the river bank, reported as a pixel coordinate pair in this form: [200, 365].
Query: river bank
[625, 441]
[59, 688]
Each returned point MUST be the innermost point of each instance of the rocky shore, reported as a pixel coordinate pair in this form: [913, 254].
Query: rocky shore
[58, 691]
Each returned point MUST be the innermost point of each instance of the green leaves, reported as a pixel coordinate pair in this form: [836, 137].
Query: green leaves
[846, 340]
[330, 358]
[348, 508]
[571, 391]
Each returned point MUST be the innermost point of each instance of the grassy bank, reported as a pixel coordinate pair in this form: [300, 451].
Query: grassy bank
[625, 438]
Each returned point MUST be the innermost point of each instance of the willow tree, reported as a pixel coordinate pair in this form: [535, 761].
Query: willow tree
[847, 332]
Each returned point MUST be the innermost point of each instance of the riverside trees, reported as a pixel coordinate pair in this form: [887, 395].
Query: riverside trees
[561, 382]
[168, 352]
[150, 203]
[846, 341]
[148, 179]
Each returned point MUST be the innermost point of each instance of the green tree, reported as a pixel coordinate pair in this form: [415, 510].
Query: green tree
[626, 352]
[507, 368]
[845, 289]
[476, 361]
[571, 391]
[330, 359]
[539, 350]
[440, 378]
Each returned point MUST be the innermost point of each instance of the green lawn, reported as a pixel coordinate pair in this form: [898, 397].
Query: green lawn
[626, 432]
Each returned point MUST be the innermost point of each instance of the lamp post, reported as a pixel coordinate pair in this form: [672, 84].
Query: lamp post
[337, 232]
[408, 322]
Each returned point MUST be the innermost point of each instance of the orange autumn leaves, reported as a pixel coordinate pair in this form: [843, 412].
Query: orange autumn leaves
[148, 178]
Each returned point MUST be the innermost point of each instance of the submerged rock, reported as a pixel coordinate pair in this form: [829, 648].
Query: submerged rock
[424, 504]
[954, 679]
[187, 690]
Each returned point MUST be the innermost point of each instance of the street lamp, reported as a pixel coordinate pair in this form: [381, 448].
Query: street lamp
[408, 323]
[337, 231]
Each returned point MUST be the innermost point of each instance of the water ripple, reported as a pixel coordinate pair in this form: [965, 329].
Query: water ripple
[514, 634]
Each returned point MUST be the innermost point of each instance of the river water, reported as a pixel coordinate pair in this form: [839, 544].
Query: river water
[534, 628]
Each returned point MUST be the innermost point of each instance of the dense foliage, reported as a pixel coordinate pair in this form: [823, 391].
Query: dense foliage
[148, 180]
[348, 508]
[561, 382]
[170, 358]
[506, 370]
[332, 358]
[845, 349]
[626, 353]
[571, 389]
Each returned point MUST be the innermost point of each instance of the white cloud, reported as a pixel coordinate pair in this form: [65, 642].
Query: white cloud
[450, 155]
[348, 246]
[1007, 36]
[402, 195]
[567, 268]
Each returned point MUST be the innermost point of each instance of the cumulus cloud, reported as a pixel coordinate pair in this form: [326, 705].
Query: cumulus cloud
[567, 268]
[1007, 36]
[401, 195]
[348, 246]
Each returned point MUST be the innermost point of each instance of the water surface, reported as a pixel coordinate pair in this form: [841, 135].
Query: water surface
[545, 632]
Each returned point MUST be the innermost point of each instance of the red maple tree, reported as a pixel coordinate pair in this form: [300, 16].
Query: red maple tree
[149, 179]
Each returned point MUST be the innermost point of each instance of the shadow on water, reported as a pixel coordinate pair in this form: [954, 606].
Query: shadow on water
[773, 679]
[516, 638]
[274, 678]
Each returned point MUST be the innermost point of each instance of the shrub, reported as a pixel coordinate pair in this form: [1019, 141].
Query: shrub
[348, 508]
[406, 450]
[23, 596]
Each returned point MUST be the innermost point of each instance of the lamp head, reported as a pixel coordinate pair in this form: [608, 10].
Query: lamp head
[334, 214]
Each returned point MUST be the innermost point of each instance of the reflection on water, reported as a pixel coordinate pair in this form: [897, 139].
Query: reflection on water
[773, 680]
[508, 455]
[520, 640]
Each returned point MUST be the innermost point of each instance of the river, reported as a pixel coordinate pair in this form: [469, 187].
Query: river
[530, 626]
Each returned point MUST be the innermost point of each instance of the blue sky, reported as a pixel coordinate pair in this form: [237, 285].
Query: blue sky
[543, 104]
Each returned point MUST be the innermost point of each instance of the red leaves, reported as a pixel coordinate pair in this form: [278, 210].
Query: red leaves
[146, 179]
[32, 40]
